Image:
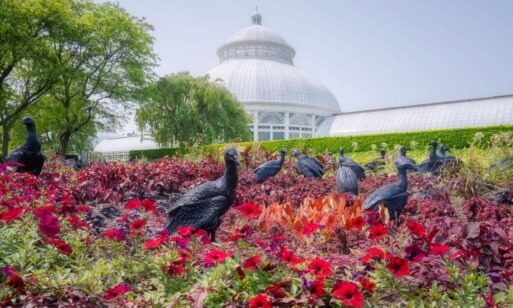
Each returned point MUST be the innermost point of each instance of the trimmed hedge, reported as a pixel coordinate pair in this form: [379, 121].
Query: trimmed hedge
[454, 138]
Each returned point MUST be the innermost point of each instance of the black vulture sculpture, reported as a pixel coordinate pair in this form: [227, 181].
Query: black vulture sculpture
[270, 168]
[378, 163]
[347, 161]
[203, 206]
[403, 159]
[434, 163]
[392, 196]
[347, 181]
[29, 154]
[308, 166]
[445, 157]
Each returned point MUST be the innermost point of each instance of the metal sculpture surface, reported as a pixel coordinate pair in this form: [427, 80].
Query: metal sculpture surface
[347, 161]
[270, 168]
[378, 163]
[393, 196]
[308, 166]
[203, 206]
[29, 155]
[434, 163]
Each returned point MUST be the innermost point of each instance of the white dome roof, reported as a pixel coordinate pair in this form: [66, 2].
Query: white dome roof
[256, 67]
[260, 80]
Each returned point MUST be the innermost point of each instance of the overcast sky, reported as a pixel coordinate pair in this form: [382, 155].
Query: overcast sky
[371, 54]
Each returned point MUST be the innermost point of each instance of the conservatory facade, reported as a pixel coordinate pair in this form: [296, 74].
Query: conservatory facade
[256, 66]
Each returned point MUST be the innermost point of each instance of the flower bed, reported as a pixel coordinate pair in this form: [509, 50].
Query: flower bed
[94, 237]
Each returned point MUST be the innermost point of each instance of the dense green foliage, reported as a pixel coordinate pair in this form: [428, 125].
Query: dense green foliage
[184, 110]
[454, 138]
[74, 66]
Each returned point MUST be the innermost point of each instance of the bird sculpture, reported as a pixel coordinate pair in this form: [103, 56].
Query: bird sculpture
[203, 206]
[403, 159]
[445, 157]
[308, 166]
[378, 163]
[270, 168]
[28, 156]
[347, 181]
[434, 163]
[347, 161]
[392, 196]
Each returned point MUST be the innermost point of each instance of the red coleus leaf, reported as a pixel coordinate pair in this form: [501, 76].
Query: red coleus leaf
[133, 204]
[319, 267]
[416, 228]
[174, 269]
[154, 243]
[439, 249]
[349, 294]
[116, 234]
[367, 285]
[249, 210]
[252, 263]
[138, 224]
[149, 206]
[414, 253]
[289, 257]
[61, 246]
[116, 291]
[260, 301]
[377, 232]
[373, 254]
[49, 225]
[398, 266]
[317, 289]
[14, 281]
[310, 228]
[12, 214]
[45, 210]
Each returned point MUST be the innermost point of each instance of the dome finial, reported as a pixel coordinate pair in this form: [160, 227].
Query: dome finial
[256, 18]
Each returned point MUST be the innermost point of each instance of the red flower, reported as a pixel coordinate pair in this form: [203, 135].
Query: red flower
[414, 253]
[203, 236]
[349, 294]
[138, 224]
[377, 232]
[249, 210]
[11, 214]
[78, 224]
[260, 301]
[124, 218]
[252, 263]
[154, 243]
[83, 208]
[149, 206]
[373, 254]
[13, 280]
[439, 249]
[356, 222]
[367, 284]
[185, 231]
[215, 256]
[133, 204]
[63, 247]
[398, 266]
[319, 267]
[174, 269]
[416, 228]
[116, 291]
[117, 234]
[317, 288]
[288, 256]
[45, 210]
[310, 228]
[49, 225]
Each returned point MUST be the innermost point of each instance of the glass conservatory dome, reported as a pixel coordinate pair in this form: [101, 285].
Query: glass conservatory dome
[256, 66]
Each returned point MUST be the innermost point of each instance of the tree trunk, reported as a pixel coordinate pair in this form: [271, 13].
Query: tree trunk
[64, 143]
[5, 141]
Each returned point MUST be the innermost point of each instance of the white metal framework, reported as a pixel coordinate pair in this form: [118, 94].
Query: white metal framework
[256, 66]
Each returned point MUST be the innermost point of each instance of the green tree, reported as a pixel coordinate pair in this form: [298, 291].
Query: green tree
[182, 110]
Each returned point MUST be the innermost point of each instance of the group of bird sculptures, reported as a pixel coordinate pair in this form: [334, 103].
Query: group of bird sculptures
[203, 206]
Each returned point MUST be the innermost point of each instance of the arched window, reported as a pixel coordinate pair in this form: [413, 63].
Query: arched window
[300, 125]
[271, 126]
[271, 118]
[300, 119]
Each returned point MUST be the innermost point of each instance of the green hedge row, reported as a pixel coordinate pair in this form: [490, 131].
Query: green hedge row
[454, 138]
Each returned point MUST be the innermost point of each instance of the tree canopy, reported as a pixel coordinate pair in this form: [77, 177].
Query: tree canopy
[182, 110]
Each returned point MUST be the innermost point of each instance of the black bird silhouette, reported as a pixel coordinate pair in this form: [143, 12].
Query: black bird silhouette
[28, 154]
[434, 163]
[403, 159]
[347, 181]
[392, 196]
[377, 163]
[203, 206]
[308, 166]
[445, 157]
[347, 161]
[270, 168]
